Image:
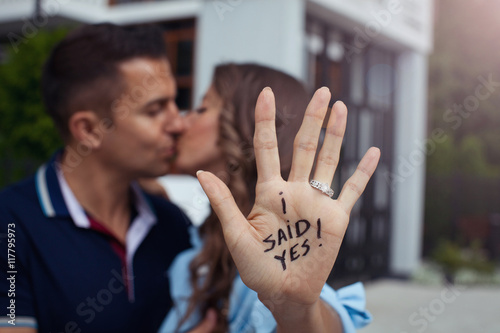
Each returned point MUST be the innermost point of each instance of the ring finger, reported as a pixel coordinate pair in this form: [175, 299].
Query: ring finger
[329, 154]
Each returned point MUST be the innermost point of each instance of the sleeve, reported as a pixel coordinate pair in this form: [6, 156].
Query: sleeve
[16, 299]
[350, 304]
[248, 314]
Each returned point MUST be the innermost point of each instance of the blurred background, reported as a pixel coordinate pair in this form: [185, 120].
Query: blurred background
[421, 79]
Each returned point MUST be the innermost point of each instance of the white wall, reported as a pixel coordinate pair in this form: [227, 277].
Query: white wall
[153, 11]
[268, 32]
[404, 22]
[94, 11]
[12, 10]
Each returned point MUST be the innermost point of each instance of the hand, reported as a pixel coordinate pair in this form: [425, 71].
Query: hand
[286, 247]
[208, 323]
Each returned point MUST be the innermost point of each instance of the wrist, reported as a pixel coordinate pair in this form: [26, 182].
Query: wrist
[315, 317]
[292, 316]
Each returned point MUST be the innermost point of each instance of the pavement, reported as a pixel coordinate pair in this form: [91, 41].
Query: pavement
[407, 307]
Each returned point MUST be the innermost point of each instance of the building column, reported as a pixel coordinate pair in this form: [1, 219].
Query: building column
[407, 180]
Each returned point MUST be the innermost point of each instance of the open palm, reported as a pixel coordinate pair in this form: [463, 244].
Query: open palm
[286, 247]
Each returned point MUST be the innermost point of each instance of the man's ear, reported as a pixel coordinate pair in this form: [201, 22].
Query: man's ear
[84, 127]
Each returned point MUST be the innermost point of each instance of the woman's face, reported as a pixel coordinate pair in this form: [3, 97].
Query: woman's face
[197, 146]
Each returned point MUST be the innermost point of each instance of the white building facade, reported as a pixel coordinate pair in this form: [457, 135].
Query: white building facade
[372, 54]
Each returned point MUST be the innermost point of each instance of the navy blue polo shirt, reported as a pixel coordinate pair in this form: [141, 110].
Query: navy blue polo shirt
[66, 273]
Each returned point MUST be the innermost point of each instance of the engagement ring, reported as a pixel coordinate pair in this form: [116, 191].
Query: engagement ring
[323, 187]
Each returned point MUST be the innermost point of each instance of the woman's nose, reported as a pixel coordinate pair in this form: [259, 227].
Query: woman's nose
[189, 118]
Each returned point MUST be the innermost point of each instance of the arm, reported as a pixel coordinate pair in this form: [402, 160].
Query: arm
[17, 330]
[286, 247]
[16, 294]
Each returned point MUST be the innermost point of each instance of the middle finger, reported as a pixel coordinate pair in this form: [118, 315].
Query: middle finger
[306, 140]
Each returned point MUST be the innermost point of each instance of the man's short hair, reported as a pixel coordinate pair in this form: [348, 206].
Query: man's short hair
[82, 71]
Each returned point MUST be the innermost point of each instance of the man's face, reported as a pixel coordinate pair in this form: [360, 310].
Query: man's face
[146, 121]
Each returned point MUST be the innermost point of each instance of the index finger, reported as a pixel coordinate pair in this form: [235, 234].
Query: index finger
[265, 141]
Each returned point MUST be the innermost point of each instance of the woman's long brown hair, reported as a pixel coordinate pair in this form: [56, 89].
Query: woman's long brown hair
[213, 270]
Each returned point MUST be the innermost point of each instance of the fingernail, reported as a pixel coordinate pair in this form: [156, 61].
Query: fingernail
[199, 172]
[324, 92]
[267, 93]
[340, 107]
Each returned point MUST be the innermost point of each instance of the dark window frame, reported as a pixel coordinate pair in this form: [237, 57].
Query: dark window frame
[365, 251]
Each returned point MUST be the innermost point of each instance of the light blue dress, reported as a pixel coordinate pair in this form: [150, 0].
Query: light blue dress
[246, 313]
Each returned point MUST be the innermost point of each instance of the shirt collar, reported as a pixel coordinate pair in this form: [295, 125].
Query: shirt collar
[57, 200]
[48, 190]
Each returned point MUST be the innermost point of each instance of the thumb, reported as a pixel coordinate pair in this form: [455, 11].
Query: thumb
[208, 324]
[222, 201]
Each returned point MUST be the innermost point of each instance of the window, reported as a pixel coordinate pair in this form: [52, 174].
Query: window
[364, 79]
[180, 41]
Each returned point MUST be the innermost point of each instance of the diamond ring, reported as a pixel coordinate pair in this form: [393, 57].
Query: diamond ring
[323, 187]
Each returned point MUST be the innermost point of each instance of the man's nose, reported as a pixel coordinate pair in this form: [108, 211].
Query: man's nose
[175, 123]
